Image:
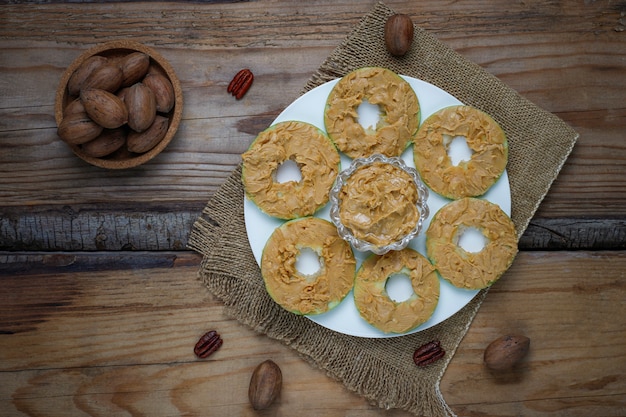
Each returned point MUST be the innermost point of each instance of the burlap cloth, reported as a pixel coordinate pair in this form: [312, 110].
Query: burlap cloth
[382, 370]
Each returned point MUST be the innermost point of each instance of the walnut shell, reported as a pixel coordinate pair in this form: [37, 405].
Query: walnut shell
[104, 108]
[77, 128]
[505, 352]
[140, 142]
[76, 81]
[265, 385]
[106, 77]
[141, 105]
[74, 107]
[109, 141]
[163, 91]
[398, 34]
[134, 67]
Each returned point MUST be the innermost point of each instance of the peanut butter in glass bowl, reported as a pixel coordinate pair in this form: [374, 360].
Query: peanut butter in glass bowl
[378, 204]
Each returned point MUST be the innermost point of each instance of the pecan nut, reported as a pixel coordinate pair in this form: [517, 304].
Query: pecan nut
[428, 353]
[241, 83]
[208, 344]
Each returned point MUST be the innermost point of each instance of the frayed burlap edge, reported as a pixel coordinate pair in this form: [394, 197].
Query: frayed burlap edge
[381, 369]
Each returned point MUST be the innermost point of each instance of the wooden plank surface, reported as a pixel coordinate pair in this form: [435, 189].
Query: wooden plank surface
[117, 340]
[166, 226]
[566, 57]
[99, 301]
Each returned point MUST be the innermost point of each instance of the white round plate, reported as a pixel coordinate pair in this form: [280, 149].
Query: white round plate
[345, 318]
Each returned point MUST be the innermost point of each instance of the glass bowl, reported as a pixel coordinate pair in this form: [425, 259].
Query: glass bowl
[347, 234]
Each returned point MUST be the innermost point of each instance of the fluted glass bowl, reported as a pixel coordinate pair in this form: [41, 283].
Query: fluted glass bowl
[347, 234]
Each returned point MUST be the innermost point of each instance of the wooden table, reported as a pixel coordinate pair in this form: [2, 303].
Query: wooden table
[100, 305]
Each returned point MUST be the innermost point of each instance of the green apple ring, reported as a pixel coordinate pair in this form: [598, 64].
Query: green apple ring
[483, 136]
[316, 157]
[400, 113]
[302, 293]
[373, 302]
[471, 270]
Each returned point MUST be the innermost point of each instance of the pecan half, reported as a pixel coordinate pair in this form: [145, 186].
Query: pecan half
[208, 344]
[428, 353]
[241, 83]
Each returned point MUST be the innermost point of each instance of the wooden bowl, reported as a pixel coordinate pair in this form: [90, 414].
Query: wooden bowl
[122, 159]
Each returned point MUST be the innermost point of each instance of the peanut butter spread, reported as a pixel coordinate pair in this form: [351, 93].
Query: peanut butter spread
[469, 178]
[316, 157]
[378, 203]
[399, 119]
[382, 312]
[467, 269]
[314, 293]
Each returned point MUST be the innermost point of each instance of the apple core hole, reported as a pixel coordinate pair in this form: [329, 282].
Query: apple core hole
[398, 287]
[472, 240]
[288, 171]
[308, 262]
[458, 151]
[369, 115]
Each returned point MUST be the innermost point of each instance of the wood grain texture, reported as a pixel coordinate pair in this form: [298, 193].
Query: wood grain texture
[121, 343]
[576, 305]
[100, 305]
[574, 234]
[166, 226]
[566, 57]
[145, 227]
